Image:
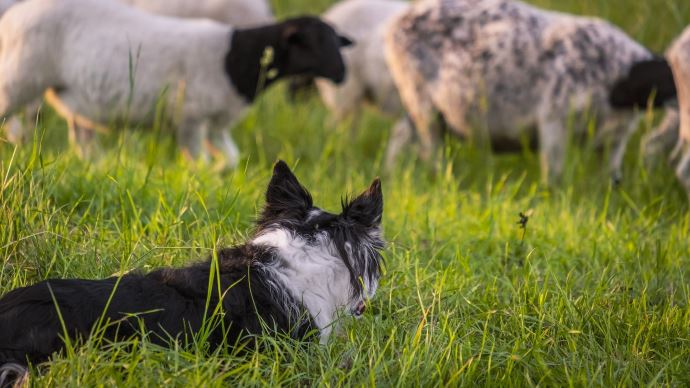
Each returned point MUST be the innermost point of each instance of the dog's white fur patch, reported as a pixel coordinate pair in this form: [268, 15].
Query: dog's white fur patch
[313, 274]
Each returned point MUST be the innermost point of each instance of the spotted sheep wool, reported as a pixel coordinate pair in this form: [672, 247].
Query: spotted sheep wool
[511, 70]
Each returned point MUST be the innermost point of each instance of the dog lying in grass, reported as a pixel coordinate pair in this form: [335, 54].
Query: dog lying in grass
[301, 268]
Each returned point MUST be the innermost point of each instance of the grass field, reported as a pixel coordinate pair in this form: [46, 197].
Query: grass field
[595, 291]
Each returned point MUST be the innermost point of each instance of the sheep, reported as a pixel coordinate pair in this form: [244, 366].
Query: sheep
[106, 61]
[368, 78]
[508, 69]
[238, 13]
[679, 57]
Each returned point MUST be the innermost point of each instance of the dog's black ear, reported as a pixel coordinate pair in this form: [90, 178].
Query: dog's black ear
[646, 78]
[285, 193]
[345, 41]
[367, 209]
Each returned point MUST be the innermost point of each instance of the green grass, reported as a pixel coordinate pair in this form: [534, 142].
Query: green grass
[596, 293]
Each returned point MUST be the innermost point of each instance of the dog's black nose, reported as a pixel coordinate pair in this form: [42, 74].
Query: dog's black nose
[359, 309]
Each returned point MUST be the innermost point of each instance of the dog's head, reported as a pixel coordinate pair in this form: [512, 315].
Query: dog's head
[353, 237]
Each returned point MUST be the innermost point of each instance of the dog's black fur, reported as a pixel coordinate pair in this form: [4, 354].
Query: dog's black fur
[172, 303]
[646, 78]
[301, 46]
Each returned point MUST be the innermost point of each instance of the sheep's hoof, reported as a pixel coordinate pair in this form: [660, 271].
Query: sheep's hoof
[616, 179]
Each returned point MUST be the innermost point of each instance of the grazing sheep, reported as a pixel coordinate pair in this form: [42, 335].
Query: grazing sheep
[679, 58]
[368, 78]
[512, 70]
[238, 13]
[107, 61]
[662, 139]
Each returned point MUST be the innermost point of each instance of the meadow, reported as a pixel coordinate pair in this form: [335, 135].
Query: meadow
[595, 290]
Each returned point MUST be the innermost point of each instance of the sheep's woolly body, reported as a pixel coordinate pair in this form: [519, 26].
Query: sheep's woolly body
[503, 66]
[679, 58]
[368, 77]
[365, 22]
[69, 42]
[238, 13]
[5, 5]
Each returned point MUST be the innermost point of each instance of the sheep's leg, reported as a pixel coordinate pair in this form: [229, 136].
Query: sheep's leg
[552, 142]
[619, 146]
[683, 170]
[81, 130]
[81, 139]
[663, 138]
[15, 130]
[401, 135]
[190, 138]
[220, 142]
[20, 127]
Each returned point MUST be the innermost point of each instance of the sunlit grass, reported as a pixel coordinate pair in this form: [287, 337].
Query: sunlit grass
[594, 291]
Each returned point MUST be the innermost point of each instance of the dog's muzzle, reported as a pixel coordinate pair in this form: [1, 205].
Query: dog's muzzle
[359, 309]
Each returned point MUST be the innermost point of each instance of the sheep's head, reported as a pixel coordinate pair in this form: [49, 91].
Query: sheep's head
[312, 47]
[304, 46]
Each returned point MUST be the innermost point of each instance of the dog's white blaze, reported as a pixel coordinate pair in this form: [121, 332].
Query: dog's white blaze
[312, 275]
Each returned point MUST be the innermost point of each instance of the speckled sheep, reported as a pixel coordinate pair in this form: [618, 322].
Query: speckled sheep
[502, 67]
[106, 62]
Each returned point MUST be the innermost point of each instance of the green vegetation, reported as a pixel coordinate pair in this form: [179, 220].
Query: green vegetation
[595, 291]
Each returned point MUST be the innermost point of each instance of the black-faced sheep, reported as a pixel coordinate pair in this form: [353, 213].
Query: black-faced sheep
[510, 70]
[106, 61]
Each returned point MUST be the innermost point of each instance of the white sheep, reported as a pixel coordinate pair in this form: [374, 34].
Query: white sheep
[510, 70]
[106, 61]
[679, 58]
[368, 78]
[238, 13]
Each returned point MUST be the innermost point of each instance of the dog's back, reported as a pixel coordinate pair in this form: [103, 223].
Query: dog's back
[169, 304]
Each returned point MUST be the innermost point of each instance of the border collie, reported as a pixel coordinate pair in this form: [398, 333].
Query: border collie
[301, 268]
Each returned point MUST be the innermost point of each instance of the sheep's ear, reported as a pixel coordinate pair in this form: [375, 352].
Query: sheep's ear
[345, 41]
[291, 34]
[367, 209]
[285, 195]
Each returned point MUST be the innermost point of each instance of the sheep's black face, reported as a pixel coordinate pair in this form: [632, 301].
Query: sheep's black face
[312, 47]
[646, 79]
